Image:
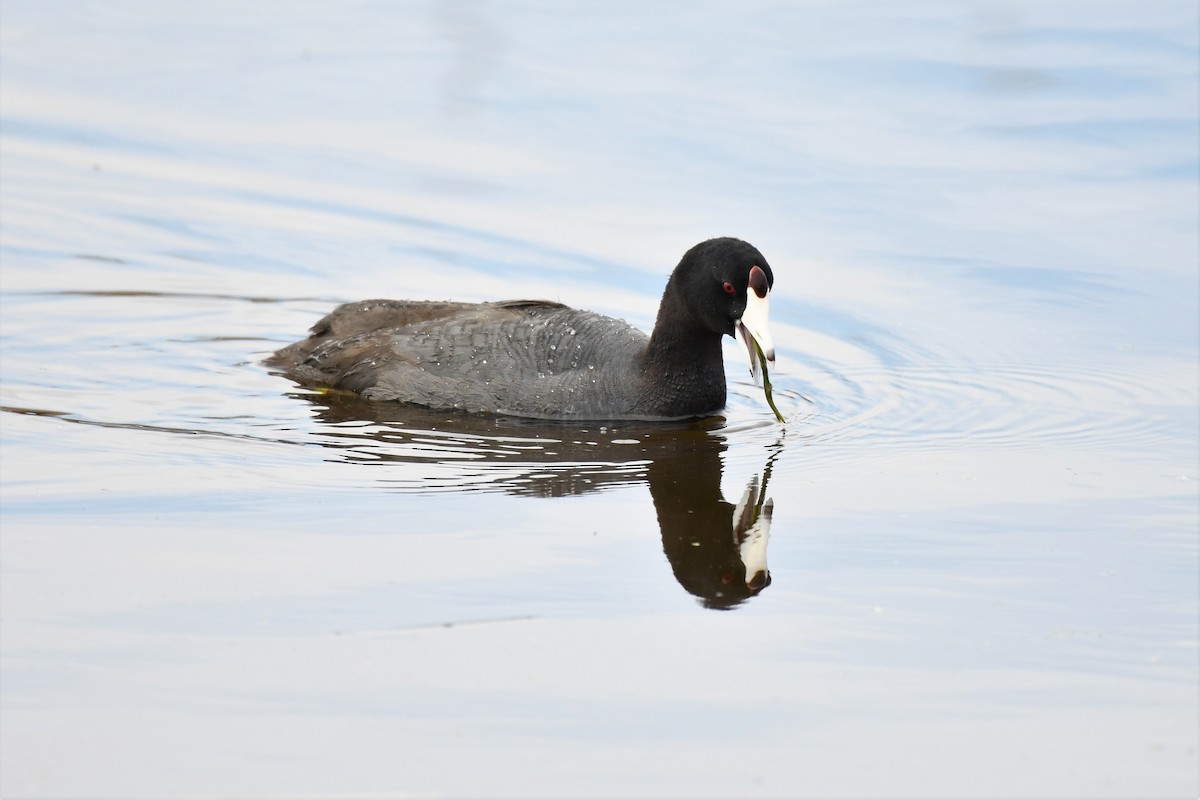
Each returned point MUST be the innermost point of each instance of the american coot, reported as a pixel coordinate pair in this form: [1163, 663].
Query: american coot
[534, 358]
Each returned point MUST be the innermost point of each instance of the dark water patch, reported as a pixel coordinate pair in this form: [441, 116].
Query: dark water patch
[1109, 132]
[66, 416]
[532, 254]
[42, 132]
[140, 293]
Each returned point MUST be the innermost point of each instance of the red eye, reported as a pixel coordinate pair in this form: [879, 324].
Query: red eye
[729, 288]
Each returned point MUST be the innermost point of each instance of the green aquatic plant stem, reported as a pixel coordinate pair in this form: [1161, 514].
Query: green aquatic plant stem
[762, 361]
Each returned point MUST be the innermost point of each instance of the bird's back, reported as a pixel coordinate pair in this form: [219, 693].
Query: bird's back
[526, 357]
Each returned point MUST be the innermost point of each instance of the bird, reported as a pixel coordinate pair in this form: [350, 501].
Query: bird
[545, 360]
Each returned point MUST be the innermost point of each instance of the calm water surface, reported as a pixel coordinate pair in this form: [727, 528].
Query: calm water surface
[979, 523]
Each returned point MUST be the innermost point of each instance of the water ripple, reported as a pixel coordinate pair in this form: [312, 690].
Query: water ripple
[934, 403]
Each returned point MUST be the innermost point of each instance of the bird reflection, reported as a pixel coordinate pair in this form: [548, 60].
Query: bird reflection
[716, 548]
[718, 551]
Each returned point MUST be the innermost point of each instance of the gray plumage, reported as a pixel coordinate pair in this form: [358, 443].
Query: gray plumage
[533, 358]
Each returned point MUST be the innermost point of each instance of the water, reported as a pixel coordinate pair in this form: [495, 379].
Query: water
[983, 509]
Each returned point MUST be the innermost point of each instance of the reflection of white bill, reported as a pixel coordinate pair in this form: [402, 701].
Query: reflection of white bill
[751, 530]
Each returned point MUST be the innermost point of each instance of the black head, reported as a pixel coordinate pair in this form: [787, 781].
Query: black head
[713, 281]
[720, 287]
